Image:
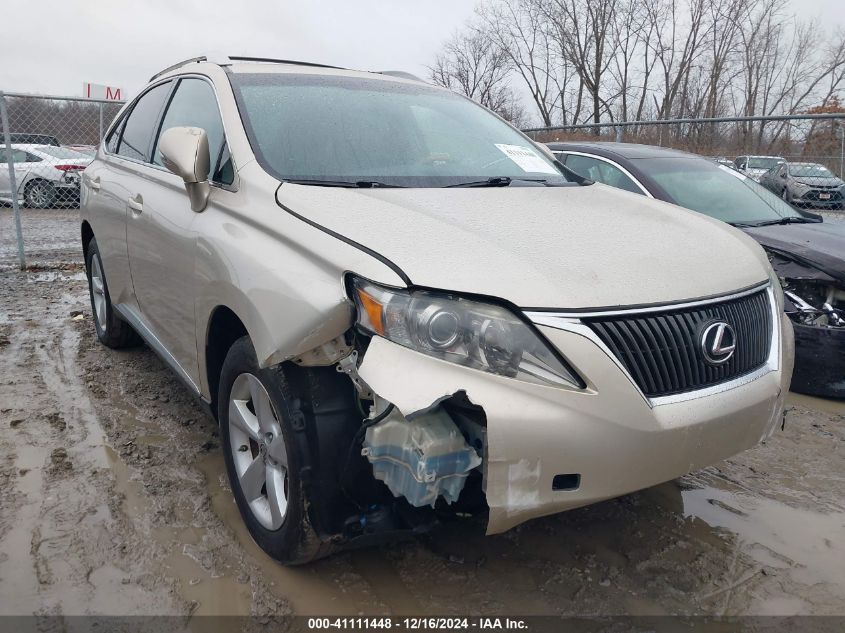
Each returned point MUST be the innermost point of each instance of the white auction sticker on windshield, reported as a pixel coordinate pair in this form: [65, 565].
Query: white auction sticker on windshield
[526, 158]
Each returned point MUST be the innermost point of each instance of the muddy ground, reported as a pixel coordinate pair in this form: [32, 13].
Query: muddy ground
[113, 500]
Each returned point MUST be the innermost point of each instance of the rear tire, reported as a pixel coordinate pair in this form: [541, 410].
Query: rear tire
[40, 194]
[112, 331]
[263, 453]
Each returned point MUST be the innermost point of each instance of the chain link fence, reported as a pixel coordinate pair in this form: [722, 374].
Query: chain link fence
[800, 158]
[45, 144]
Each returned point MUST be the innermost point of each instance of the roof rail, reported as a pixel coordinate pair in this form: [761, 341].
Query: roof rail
[225, 61]
[401, 74]
[220, 60]
[271, 60]
[192, 60]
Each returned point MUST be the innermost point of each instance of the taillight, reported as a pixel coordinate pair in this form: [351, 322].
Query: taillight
[69, 167]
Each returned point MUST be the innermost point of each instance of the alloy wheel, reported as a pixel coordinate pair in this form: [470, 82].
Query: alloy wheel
[39, 195]
[258, 451]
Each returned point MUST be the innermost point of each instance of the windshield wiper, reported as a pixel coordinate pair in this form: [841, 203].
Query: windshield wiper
[496, 181]
[785, 220]
[358, 184]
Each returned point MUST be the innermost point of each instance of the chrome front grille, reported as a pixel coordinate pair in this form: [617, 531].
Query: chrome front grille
[662, 350]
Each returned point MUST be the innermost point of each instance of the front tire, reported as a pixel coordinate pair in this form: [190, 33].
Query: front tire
[111, 330]
[265, 456]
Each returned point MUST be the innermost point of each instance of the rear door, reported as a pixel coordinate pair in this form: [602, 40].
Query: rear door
[23, 163]
[108, 183]
[161, 233]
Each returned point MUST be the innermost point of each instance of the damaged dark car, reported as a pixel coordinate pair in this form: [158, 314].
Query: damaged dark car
[807, 253]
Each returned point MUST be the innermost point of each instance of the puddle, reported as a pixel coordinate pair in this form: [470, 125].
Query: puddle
[827, 405]
[808, 546]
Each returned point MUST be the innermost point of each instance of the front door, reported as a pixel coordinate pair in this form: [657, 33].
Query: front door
[160, 230]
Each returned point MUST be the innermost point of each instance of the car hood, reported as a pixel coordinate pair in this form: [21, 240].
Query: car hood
[821, 245]
[547, 247]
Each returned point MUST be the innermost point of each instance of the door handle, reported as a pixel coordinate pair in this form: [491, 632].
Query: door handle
[94, 183]
[136, 203]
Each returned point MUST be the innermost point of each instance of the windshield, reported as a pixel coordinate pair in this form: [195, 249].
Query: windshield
[801, 170]
[758, 162]
[714, 190]
[60, 152]
[349, 129]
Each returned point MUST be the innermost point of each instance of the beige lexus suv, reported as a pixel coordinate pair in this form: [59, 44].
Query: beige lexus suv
[399, 308]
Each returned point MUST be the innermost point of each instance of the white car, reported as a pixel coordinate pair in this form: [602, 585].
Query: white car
[45, 175]
[755, 166]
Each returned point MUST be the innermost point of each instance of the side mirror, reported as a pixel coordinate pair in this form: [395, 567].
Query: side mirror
[184, 151]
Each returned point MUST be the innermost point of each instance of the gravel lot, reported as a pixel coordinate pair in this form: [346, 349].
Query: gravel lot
[113, 499]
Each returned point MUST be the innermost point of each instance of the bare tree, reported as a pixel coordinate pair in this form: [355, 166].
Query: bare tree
[584, 31]
[470, 63]
[594, 60]
[521, 30]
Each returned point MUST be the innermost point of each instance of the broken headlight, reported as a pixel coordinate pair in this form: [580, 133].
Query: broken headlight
[480, 335]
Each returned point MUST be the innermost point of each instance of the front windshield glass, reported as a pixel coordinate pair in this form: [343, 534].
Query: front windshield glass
[714, 190]
[809, 170]
[758, 162]
[350, 129]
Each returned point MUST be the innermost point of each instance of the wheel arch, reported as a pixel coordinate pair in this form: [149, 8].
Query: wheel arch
[223, 328]
[87, 234]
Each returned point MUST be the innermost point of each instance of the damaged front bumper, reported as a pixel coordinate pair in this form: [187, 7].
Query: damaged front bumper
[550, 449]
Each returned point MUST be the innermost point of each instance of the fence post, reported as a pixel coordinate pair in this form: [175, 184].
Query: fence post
[841, 131]
[619, 129]
[100, 136]
[13, 185]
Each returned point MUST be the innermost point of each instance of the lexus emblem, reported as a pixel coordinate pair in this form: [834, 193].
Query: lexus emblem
[718, 342]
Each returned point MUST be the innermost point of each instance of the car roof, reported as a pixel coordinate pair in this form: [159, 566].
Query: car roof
[761, 156]
[620, 150]
[803, 164]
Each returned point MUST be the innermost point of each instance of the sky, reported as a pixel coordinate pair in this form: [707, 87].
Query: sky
[57, 45]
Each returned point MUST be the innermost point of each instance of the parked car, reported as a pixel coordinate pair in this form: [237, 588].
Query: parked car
[755, 166]
[45, 175]
[27, 138]
[399, 307]
[806, 185]
[807, 254]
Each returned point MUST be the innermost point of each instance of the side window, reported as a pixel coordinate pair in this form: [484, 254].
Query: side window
[194, 105]
[602, 172]
[140, 124]
[114, 137]
[18, 156]
[27, 158]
